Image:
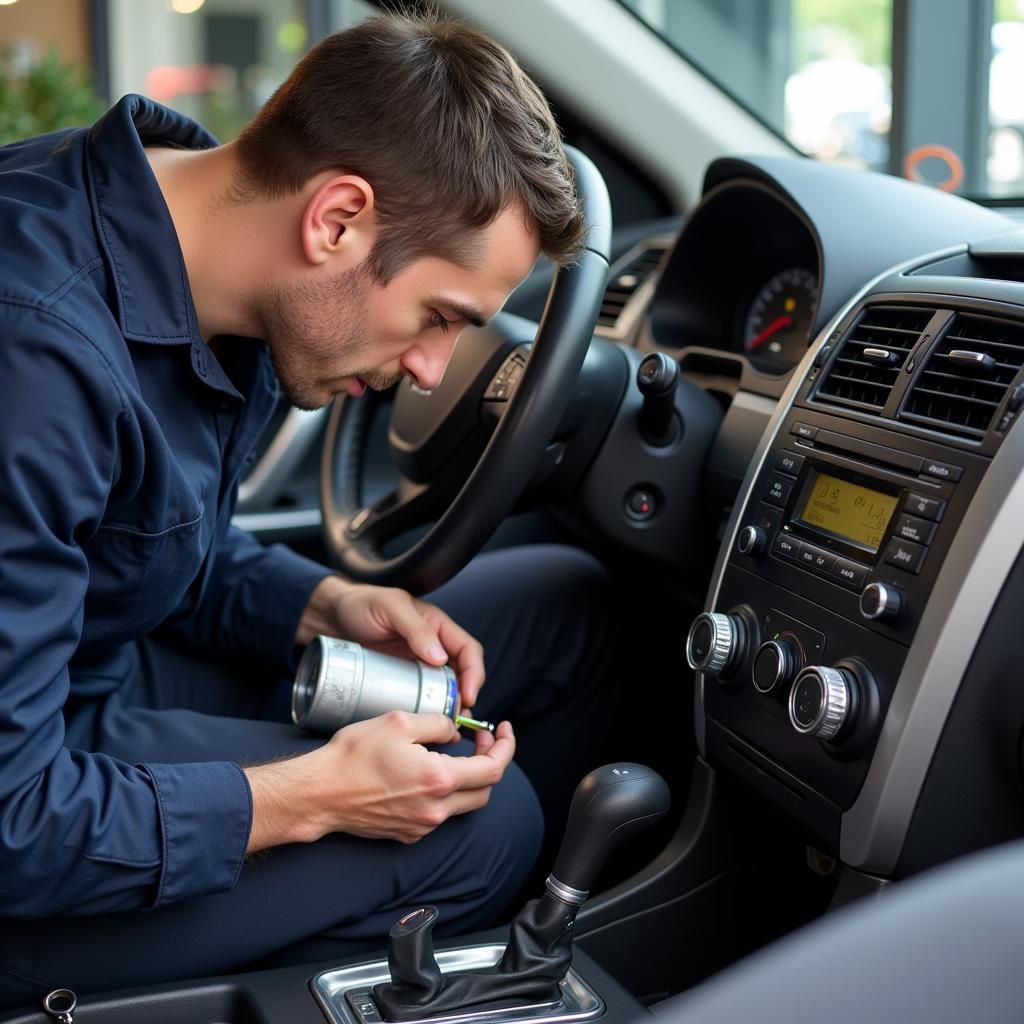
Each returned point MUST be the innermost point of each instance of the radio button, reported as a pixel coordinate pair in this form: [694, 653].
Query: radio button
[786, 546]
[790, 462]
[778, 490]
[929, 508]
[905, 555]
[824, 561]
[816, 558]
[919, 530]
[804, 430]
[767, 518]
[942, 471]
[850, 573]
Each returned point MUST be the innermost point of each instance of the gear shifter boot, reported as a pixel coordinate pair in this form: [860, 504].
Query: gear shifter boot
[537, 958]
[415, 977]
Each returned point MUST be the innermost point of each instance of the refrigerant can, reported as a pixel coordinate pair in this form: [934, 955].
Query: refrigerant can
[339, 682]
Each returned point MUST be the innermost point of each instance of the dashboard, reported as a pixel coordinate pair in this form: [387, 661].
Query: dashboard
[872, 375]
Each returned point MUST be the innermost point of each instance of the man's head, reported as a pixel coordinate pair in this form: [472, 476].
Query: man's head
[431, 174]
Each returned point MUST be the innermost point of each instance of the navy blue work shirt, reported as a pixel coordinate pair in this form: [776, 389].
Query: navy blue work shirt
[121, 443]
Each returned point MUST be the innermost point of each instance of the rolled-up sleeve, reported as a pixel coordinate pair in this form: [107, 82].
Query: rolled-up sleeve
[80, 832]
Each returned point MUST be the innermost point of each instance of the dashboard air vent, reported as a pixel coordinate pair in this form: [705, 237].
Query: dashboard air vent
[871, 356]
[966, 376]
[627, 279]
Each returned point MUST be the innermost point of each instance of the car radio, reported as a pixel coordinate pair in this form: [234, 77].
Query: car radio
[838, 547]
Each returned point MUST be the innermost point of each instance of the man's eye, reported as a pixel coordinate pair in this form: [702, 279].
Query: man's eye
[436, 320]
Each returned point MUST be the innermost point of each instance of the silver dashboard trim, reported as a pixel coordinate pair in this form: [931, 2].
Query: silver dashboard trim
[285, 521]
[979, 560]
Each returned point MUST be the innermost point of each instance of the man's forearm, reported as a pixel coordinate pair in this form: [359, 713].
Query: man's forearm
[283, 802]
[320, 614]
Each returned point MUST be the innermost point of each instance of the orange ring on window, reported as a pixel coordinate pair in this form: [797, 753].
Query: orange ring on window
[934, 150]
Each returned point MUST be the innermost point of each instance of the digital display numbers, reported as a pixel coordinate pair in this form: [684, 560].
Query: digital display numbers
[848, 510]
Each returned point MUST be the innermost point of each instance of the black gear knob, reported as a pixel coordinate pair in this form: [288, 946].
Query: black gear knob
[610, 805]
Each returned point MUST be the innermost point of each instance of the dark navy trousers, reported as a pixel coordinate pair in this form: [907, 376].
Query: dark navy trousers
[545, 615]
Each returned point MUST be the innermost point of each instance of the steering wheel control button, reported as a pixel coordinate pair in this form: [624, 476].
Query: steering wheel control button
[804, 431]
[820, 701]
[504, 383]
[880, 602]
[751, 541]
[790, 462]
[929, 508]
[942, 471]
[778, 490]
[775, 665]
[905, 555]
[920, 531]
[712, 642]
[787, 547]
[641, 504]
[853, 574]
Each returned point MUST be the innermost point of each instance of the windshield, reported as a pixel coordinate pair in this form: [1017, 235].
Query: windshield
[929, 89]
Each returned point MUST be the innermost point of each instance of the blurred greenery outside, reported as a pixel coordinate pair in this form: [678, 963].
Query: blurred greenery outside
[51, 95]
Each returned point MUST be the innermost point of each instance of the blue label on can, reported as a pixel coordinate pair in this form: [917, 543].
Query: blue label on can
[453, 693]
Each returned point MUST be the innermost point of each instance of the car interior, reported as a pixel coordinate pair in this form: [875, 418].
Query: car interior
[776, 398]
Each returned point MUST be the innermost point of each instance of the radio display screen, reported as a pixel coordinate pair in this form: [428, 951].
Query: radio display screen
[848, 510]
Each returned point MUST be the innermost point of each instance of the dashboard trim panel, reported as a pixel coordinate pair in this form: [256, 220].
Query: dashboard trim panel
[972, 576]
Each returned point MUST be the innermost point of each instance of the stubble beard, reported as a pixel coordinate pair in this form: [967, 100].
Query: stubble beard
[299, 331]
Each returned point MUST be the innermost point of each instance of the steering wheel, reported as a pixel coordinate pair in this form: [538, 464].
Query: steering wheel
[436, 438]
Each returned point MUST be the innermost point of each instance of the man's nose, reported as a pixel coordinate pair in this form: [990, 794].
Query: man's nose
[427, 362]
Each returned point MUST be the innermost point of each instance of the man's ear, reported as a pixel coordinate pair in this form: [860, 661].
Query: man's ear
[339, 223]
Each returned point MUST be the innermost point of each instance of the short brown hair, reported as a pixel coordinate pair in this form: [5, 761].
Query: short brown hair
[440, 120]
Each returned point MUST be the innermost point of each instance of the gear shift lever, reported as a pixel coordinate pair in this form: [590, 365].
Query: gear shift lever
[610, 805]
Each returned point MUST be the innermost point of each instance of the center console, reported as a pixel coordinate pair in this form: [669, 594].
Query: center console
[837, 584]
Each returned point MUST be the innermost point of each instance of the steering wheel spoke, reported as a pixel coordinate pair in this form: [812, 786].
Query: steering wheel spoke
[409, 506]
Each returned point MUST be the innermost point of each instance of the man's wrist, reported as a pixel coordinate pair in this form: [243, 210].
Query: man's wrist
[284, 804]
[320, 614]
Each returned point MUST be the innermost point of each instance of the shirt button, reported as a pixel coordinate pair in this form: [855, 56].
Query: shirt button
[225, 406]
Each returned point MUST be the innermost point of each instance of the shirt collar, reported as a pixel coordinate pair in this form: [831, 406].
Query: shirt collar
[154, 301]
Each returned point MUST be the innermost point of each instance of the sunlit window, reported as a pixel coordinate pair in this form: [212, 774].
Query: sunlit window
[215, 60]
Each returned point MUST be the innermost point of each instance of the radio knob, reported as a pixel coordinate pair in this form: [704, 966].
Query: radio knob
[713, 642]
[821, 701]
[751, 541]
[880, 601]
[776, 663]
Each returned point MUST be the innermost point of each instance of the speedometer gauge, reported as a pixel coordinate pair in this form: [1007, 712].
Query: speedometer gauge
[778, 324]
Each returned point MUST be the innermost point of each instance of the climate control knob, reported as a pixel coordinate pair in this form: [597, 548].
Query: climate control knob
[775, 665]
[822, 700]
[714, 641]
[751, 541]
[880, 601]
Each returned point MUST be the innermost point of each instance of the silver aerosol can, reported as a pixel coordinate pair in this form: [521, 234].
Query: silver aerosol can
[339, 682]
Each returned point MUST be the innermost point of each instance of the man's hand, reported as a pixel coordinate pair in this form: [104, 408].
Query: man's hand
[376, 779]
[392, 621]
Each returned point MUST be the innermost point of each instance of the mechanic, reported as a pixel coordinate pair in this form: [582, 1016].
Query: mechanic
[156, 287]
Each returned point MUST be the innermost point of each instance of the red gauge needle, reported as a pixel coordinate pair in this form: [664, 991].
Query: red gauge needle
[775, 325]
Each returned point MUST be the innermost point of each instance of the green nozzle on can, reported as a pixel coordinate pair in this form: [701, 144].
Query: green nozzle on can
[472, 723]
